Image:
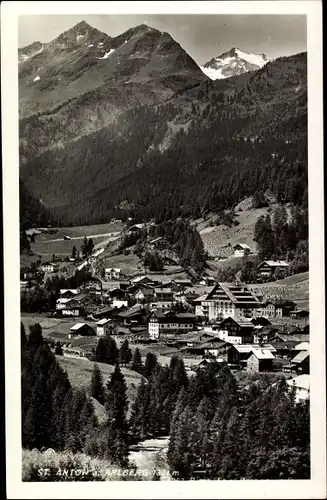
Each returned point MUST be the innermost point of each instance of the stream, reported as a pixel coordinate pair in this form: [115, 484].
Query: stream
[150, 454]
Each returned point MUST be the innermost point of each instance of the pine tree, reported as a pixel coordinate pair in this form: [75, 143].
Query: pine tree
[111, 350]
[97, 387]
[150, 364]
[74, 252]
[58, 349]
[35, 338]
[89, 247]
[116, 406]
[140, 413]
[137, 364]
[84, 247]
[125, 353]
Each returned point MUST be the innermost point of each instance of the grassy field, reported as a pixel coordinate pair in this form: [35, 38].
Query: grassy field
[79, 371]
[45, 247]
[295, 288]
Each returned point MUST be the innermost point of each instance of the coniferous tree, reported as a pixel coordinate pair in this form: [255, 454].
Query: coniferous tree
[125, 353]
[151, 362]
[97, 387]
[137, 364]
[58, 349]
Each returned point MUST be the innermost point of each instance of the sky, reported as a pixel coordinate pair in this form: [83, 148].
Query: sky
[202, 36]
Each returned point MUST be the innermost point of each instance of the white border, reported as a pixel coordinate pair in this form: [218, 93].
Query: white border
[313, 488]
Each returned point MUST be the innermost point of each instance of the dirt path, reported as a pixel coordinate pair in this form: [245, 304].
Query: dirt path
[104, 235]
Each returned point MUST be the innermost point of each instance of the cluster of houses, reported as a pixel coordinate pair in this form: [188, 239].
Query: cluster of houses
[208, 320]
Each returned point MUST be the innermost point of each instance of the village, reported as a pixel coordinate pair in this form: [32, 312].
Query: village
[201, 320]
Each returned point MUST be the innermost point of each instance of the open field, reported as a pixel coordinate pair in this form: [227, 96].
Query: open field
[48, 243]
[79, 371]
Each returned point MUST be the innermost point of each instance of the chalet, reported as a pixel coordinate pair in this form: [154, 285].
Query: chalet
[284, 343]
[227, 300]
[241, 249]
[116, 293]
[300, 314]
[276, 309]
[216, 349]
[208, 281]
[236, 331]
[269, 267]
[112, 273]
[71, 308]
[238, 354]
[144, 295]
[109, 285]
[50, 268]
[264, 334]
[302, 387]
[91, 286]
[120, 303]
[300, 363]
[81, 329]
[161, 323]
[136, 315]
[107, 312]
[182, 282]
[189, 339]
[68, 293]
[164, 295]
[142, 281]
[260, 360]
[104, 327]
[303, 346]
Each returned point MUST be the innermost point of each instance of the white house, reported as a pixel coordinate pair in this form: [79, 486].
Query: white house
[302, 387]
[50, 268]
[112, 273]
[161, 323]
[103, 327]
[241, 249]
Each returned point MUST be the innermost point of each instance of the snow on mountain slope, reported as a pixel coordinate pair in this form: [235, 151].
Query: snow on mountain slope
[232, 63]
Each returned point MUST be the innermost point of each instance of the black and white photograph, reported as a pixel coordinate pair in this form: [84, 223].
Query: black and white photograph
[167, 321]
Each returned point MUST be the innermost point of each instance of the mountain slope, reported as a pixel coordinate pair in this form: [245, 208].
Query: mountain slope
[82, 80]
[233, 63]
[205, 149]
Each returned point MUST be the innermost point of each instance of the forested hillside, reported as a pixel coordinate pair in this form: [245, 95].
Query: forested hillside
[204, 148]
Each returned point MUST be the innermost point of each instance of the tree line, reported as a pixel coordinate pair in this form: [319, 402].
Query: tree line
[217, 429]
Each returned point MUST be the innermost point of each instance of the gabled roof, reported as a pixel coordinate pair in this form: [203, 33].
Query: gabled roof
[263, 354]
[77, 326]
[242, 322]
[303, 346]
[275, 263]
[236, 293]
[108, 269]
[242, 245]
[244, 348]
[294, 337]
[163, 290]
[300, 357]
[103, 321]
[71, 290]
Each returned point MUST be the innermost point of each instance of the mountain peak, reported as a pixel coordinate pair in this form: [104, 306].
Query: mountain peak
[233, 62]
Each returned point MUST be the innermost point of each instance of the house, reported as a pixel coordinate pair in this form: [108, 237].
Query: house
[241, 249]
[136, 315]
[81, 329]
[112, 273]
[142, 280]
[302, 387]
[264, 334]
[236, 331]
[260, 360]
[144, 295]
[276, 309]
[68, 293]
[50, 268]
[182, 282]
[208, 281]
[284, 343]
[164, 295]
[107, 312]
[189, 339]
[238, 353]
[227, 300]
[116, 293]
[269, 267]
[71, 308]
[104, 327]
[300, 363]
[300, 314]
[161, 323]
